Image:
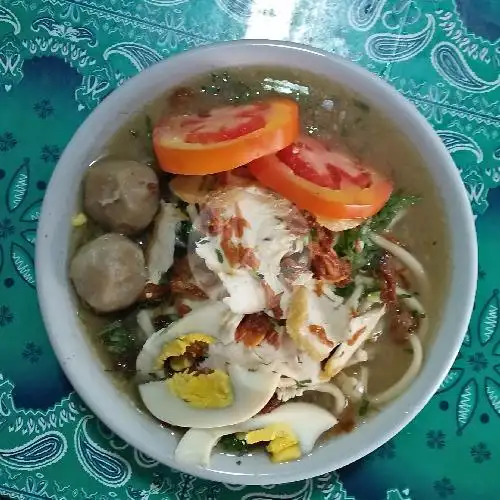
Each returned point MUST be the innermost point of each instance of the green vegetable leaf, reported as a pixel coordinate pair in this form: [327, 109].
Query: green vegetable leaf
[164, 320]
[395, 204]
[363, 407]
[361, 105]
[356, 245]
[164, 280]
[303, 383]
[345, 291]
[122, 342]
[182, 233]
[232, 444]
[418, 315]
[220, 257]
[358, 237]
[117, 338]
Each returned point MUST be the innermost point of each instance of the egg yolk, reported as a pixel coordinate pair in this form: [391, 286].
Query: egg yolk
[203, 390]
[178, 347]
[79, 220]
[179, 363]
[297, 318]
[283, 444]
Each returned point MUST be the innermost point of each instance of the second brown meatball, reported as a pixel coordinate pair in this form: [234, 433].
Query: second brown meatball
[122, 196]
[109, 273]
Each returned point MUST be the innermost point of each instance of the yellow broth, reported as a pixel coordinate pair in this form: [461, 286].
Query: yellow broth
[339, 117]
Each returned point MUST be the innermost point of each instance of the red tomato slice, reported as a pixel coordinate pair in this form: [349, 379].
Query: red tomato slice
[327, 183]
[312, 161]
[225, 124]
[225, 138]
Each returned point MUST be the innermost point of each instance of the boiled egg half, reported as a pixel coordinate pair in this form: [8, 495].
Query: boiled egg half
[290, 431]
[194, 396]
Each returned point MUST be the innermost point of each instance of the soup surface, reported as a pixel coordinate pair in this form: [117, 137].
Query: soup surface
[251, 298]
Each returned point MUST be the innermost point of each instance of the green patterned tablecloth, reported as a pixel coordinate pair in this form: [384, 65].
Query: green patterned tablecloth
[59, 58]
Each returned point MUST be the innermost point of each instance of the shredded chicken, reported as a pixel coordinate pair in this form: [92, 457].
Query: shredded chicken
[160, 250]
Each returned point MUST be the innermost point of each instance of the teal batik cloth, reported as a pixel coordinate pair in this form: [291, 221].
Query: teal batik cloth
[59, 58]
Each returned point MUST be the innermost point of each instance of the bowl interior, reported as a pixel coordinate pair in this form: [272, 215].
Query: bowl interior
[83, 367]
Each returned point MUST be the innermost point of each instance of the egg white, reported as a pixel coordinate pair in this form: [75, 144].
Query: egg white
[307, 309]
[213, 318]
[251, 391]
[307, 421]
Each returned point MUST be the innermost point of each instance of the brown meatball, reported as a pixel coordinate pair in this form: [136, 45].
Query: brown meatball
[109, 273]
[122, 196]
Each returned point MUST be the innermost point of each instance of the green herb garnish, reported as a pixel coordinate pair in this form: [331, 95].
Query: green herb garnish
[418, 315]
[117, 338]
[121, 341]
[164, 320]
[348, 241]
[395, 204]
[363, 407]
[345, 291]
[223, 85]
[164, 280]
[183, 231]
[232, 444]
[359, 237]
[220, 257]
[303, 383]
[361, 105]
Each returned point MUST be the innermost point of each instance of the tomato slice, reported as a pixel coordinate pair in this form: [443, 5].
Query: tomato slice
[225, 138]
[327, 183]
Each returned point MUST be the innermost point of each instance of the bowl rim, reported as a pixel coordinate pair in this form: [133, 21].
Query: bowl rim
[381, 433]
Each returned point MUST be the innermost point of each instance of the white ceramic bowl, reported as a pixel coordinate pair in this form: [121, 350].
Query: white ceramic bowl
[83, 368]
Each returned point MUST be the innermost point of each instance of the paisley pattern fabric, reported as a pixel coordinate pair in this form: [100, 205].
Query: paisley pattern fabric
[60, 58]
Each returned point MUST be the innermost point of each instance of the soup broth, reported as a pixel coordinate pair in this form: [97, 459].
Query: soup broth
[343, 120]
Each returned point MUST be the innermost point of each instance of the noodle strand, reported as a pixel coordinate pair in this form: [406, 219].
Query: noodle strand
[288, 389]
[351, 386]
[402, 384]
[360, 356]
[352, 303]
[415, 305]
[407, 259]
[332, 389]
